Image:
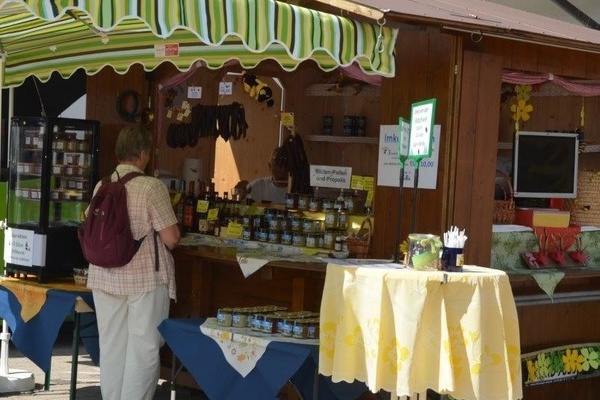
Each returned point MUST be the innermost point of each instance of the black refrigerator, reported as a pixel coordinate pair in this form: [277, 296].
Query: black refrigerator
[52, 168]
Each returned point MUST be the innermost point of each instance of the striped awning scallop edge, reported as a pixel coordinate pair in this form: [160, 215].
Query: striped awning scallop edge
[40, 37]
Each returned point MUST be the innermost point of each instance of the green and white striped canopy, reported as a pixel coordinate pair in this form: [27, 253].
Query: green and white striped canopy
[39, 37]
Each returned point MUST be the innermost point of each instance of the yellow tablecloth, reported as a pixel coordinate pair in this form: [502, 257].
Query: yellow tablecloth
[31, 294]
[404, 331]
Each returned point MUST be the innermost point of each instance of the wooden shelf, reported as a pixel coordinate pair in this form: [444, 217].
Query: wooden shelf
[330, 89]
[342, 139]
[589, 148]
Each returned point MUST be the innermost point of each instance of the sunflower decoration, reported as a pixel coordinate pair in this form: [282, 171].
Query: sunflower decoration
[522, 108]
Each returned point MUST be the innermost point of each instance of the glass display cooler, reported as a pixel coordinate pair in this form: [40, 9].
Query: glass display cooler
[53, 167]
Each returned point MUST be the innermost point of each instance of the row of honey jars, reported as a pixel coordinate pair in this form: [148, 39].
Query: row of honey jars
[321, 240]
[334, 219]
[300, 324]
[284, 322]
[242, 317]
[305, 202]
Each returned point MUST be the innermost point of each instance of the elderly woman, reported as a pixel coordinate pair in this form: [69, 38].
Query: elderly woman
[132, 300]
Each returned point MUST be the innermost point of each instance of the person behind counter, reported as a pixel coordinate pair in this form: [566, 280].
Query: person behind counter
[271, 188]
[131, 301]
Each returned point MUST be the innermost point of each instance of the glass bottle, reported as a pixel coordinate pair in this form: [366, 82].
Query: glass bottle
[202, 208]
[173, 192]
[181, 196]
[189, 210]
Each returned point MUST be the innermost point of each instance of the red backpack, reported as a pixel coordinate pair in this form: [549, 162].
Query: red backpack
[105, 236]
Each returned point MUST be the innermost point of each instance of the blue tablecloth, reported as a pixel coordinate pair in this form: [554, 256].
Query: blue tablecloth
[36, 337]
[282, 361]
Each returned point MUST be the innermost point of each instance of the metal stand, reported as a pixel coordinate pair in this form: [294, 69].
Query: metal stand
[74, 357]
[399, 216]
[174, 372]
[415, 197]
[12, 381]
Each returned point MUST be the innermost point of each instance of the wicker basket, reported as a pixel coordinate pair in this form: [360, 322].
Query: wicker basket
[359, 245]
[504, 209]
[585, 209]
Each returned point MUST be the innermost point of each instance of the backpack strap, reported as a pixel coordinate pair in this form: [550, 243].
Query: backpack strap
[126, 178]
[156, 260]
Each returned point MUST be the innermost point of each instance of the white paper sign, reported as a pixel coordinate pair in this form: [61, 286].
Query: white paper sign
[18, 247]
[388, 169]
[194, 92]
[331, 177]
[225, 88]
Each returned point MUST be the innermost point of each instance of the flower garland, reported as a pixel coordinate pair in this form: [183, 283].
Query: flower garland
[521, 109]
[562, 363]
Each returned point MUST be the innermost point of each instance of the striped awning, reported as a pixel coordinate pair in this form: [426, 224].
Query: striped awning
[39, 37]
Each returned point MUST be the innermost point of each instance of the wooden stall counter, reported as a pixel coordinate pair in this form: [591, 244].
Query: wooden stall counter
[209, 278]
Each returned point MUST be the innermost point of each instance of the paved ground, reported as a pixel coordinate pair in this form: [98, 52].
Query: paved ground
[88, 377]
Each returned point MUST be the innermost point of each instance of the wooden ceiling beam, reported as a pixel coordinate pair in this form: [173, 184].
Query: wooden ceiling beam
[345, 6]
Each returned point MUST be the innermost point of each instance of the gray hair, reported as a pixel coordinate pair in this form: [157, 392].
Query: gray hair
[131, 141]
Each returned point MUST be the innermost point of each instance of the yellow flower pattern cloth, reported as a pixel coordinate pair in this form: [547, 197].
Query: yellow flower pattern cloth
[404, 331]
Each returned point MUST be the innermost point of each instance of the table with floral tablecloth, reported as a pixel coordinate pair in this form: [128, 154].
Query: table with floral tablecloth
[510, 242]
[405, 331]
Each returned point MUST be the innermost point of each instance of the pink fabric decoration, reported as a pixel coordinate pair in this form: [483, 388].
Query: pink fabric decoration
[581, 89]
[355, 72]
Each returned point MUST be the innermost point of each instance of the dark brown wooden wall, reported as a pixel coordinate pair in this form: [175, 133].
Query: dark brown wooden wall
[424, 69]
[475, 158]
[102, 91]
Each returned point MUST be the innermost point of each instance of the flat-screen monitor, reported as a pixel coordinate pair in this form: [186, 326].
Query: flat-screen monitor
[545, 165]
